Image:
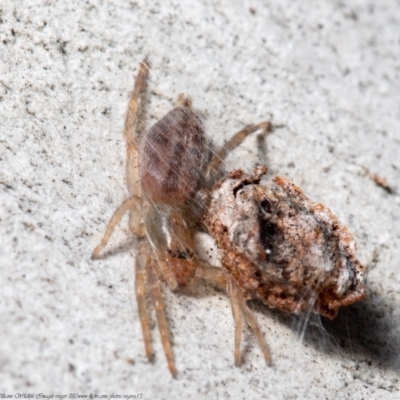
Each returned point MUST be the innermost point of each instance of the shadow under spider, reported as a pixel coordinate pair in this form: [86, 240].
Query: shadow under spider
[364, 330]
[368, 329]
[125, 247]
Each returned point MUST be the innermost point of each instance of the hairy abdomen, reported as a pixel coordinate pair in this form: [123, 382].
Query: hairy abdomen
[173, 155]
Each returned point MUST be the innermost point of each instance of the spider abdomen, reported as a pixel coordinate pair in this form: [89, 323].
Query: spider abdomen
[172, 157]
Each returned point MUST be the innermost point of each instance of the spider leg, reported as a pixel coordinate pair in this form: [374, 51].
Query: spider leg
[146, 271]
[141, 263]
[154, 285]
[134, 203]
[218, 278]
[183, 101]
[136, 225]
[237, 317]
[215, 163]
[114, 221]
[251, 321]
[132, 151]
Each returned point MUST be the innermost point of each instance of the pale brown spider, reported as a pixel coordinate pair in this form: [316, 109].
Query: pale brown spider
[168, 178]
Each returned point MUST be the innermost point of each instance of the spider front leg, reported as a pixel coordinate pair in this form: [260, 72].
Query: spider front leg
[133, 204]
[132, 151]
[220, 279]
[219, 157]
[128, 204]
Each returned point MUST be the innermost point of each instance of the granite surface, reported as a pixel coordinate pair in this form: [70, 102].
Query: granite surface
[326, 73]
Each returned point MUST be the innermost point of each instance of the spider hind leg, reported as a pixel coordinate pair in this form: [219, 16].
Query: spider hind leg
[146, 279]
[218, 278]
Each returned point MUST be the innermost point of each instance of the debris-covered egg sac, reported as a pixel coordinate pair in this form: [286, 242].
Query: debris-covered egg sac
[282, 248]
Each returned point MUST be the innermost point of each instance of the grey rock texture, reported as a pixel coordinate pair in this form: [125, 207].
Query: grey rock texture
[327, 72]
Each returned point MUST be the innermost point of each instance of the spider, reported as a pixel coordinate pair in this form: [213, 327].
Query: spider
[169, 178]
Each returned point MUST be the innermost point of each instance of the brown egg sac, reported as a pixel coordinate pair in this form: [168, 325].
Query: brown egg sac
[282, 248]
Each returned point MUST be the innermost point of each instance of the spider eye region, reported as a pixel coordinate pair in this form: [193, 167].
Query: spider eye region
[185, 254]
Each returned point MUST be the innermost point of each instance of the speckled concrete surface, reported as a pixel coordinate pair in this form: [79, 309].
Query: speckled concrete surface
[327, 71]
